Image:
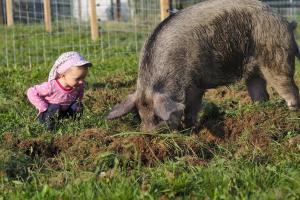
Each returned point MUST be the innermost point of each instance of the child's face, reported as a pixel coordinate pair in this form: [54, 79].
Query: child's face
[74, 76]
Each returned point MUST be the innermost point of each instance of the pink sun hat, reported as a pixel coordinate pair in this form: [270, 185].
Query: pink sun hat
[65, 61]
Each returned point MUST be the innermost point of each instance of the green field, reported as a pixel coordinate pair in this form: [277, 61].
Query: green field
[244, 150]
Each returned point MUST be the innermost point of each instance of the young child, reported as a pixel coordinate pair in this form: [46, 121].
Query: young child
[61, 96]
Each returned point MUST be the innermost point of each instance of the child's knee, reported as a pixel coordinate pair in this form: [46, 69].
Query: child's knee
[75, 110]
[53, 108]
[77, 107]
[49, 113]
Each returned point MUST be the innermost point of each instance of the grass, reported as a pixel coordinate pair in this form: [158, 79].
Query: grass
[244, 150]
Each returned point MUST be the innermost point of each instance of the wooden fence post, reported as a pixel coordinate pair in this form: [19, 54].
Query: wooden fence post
[79, 11]
[9, 13]
[164, 8]
[1, 12]
[118, 10]
[93, 20]
[47, 16]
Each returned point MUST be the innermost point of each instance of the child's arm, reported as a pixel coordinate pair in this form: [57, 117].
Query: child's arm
[36, 95]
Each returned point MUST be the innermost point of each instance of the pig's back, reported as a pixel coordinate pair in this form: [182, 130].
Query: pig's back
[181, 41]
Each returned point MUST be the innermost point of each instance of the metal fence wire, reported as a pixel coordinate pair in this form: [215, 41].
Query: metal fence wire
[122, 26]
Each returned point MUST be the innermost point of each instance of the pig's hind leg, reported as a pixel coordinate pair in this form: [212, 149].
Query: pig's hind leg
[257, 88]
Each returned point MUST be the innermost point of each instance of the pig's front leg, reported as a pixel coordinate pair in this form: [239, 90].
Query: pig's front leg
[193, 106]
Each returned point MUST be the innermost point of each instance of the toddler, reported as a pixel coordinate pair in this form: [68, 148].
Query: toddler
[61, 96]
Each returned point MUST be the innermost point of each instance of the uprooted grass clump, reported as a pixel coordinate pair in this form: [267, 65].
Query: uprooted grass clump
[130, 148]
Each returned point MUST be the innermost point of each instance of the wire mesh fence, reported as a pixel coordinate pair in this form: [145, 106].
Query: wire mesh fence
[122, 27]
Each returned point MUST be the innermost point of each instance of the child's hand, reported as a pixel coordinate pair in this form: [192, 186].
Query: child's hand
[79, 107]
[42, 110]
[42, 116]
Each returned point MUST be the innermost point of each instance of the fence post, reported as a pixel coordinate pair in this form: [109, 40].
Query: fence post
[47, 15]
[9, 13]
[118, 10]
[1, 12]
[79, 11]
[93, 20]
[164, 8]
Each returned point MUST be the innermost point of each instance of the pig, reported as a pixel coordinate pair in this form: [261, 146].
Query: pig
[210, 44]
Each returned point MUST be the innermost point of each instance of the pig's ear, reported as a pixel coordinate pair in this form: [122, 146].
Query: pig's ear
[164, 106]
[123, 108]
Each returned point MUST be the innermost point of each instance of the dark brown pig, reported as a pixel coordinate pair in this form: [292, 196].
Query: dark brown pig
[207, 45]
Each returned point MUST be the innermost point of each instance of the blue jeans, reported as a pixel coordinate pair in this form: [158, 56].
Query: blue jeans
[54, 112]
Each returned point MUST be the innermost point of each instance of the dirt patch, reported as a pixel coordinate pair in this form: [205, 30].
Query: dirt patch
[261, 126]
[147, 149]
[251, 128]
[8, 139]
[64, 143]
[154, 149]
[37, 147]
[237, 95]
[101, 99]
[40, 147]
[293, 143]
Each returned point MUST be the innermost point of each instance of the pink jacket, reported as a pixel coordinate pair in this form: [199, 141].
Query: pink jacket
[52, 92]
